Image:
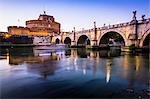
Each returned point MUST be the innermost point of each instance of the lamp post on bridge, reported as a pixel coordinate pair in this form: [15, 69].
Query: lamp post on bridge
[73, 43]
[74, 35]
[94, 38]
[95, 31]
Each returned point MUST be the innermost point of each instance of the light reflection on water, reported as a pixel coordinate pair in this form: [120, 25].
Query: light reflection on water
[73, 73]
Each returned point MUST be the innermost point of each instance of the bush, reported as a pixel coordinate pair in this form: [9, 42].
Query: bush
[132, 47]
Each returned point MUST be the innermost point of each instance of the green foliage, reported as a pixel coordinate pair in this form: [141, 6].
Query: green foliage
[68, 46]
[132, 47]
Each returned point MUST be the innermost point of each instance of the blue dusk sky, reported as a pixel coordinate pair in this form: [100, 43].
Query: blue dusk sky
[72, 13]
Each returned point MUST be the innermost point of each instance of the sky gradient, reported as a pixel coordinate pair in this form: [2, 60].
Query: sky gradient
[72, 13]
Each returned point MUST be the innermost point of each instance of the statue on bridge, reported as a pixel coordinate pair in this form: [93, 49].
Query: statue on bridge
[104, 25]
[94, 24]
[143, 17]
[44, 12]
[134, 15]
[134, 21]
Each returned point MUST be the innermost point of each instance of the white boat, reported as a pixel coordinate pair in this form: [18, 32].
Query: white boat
[51, 47]
[42, 44]
[47, 52]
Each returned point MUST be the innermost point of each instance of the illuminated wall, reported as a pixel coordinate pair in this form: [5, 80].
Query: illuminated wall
[45, 25]
[14, 30]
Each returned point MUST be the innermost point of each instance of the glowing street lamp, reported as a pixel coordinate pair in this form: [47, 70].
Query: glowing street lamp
[6, 36]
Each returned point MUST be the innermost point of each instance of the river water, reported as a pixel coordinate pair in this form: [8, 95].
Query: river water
[78, 73]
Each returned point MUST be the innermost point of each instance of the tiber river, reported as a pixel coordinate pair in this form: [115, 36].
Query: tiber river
[78, 73]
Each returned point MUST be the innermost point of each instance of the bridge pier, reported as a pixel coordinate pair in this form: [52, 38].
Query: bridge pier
[73, 44]
[93, 45]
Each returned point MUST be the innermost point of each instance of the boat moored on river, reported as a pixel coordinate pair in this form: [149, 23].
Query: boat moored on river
[51, 47]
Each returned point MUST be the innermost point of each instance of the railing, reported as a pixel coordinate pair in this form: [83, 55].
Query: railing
[114, 26]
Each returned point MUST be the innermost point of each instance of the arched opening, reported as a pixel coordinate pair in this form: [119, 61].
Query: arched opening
[146, 41]
[67, 41]
[112, 39]
[57, 41]
[144, 44]
[83, 41]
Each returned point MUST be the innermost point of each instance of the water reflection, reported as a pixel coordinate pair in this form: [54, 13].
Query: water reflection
[75, 59]
[109, 53]
[19, 56]
[36, 61]
[109, 70]
[44, 69]
[85, 53]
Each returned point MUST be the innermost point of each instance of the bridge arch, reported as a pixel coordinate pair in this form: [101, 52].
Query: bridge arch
[57, 41]
[83, 40]
[120, 36]
[145, 38]
[67, 40]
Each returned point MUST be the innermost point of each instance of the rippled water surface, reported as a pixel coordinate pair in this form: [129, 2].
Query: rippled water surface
[31, 73]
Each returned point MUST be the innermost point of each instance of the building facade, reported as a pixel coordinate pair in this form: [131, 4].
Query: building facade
[44, 22]
[44, 27]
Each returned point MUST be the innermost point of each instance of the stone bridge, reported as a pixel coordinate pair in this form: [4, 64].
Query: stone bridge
[134, 32]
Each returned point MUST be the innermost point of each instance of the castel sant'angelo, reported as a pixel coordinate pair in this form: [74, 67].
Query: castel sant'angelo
[45, 25]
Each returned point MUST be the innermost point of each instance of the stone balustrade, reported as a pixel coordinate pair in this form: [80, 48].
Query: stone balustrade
[113, 26]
